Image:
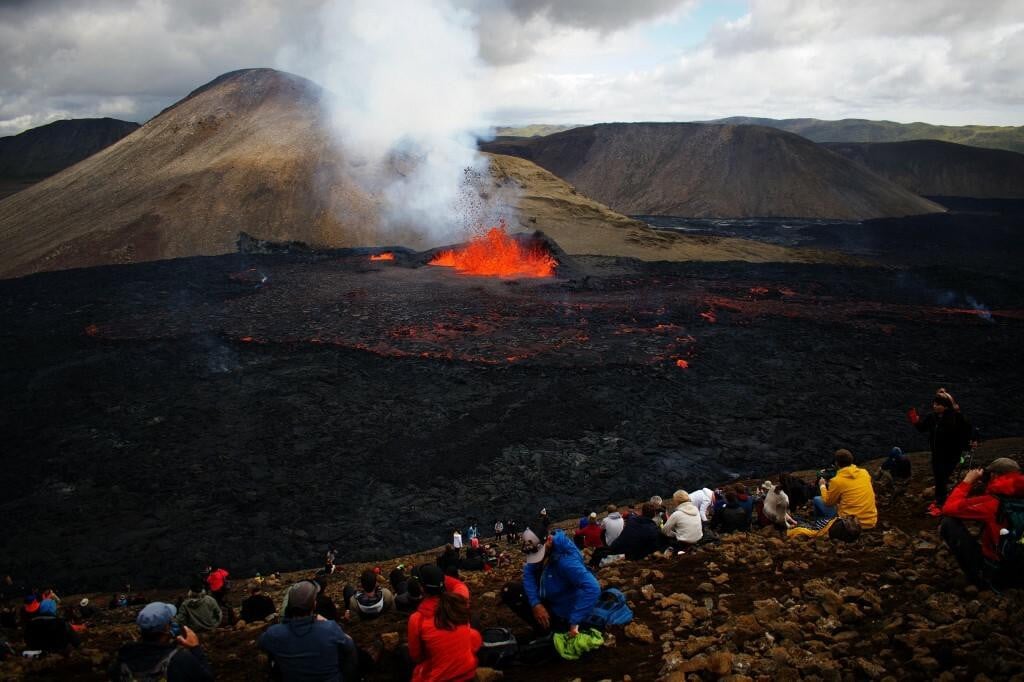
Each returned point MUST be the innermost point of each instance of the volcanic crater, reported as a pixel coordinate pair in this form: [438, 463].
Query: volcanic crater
[249, 409]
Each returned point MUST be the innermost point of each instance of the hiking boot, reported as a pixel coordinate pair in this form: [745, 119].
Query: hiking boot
[934, 510]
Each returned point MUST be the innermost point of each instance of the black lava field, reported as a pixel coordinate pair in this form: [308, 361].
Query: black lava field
[247, 410]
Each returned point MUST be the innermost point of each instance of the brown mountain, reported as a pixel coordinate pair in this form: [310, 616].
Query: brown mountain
[28, 157]
[250, 152]
[935, 168]
[724, 171]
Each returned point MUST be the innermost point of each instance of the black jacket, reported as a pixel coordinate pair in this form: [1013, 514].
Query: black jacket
[49, 633]
[186, 665]
[731, 518]
[948, 436]
[639, 537]
[256, 607]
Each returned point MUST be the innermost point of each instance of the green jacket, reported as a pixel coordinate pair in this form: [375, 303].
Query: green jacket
[200, 613]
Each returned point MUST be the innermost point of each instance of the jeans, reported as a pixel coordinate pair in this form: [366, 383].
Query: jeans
[822, 510]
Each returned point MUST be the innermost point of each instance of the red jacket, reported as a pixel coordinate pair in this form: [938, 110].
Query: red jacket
[593, 535]
[442, 655]
[216, 579]
[985, 507]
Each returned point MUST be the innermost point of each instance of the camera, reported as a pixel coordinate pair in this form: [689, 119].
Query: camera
[828, 474]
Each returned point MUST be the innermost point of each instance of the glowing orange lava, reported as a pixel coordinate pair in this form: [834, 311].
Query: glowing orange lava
[496, 254]
[387, 255]
[682, 364]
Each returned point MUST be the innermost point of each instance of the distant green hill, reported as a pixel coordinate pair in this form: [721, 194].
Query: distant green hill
[862, 130]
[532, 130]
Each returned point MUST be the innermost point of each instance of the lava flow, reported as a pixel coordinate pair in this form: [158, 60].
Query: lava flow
[387, 255]
[496, 254]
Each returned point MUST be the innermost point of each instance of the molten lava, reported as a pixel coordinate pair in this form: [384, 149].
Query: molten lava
[387, 255]
[496, 254]
[682, 364]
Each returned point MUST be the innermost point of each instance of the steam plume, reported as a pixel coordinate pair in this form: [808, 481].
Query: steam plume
[402, 80]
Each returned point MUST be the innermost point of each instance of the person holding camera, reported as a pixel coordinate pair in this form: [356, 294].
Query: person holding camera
[848, 493]
[949, 434]
[165, 650]
[991, 487]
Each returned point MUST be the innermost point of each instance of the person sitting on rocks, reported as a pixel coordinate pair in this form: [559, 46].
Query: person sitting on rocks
[849, 493]
[894, 474]
[659, 510]
[49, 632]
[86, 608]
[305, 646]
[797, 490]
[683, 527]
[557, 591]
[217, 583]
[441, 642]
[776, 509]
[704, 500]
[731, 517]
[325, 606]
[257, 606]
[473, 561]
[612, 524]
[983, 564]
[410, 598]
[640, 537]
[448, 560]
[371, 600]
[199, 611]
[591, 532]
[159, 654]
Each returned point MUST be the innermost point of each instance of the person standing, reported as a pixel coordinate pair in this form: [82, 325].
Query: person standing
[457, 540]
[949, 434]
[499, 529]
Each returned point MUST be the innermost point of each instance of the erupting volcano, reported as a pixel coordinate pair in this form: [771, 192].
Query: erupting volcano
[496, 254]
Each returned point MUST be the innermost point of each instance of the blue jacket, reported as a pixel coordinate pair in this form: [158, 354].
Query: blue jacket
[308, 650]
[562, 582]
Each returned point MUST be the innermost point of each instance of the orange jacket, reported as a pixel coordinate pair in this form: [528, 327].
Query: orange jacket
[962, 505]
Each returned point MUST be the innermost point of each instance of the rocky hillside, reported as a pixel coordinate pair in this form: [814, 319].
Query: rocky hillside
[48, 149]
[934, 168]
[1010, 138]
[713, 171]
[892, 605]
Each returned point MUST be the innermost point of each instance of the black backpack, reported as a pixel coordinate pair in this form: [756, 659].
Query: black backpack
[499, 649]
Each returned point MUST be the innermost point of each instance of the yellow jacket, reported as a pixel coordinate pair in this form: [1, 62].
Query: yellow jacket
[850, 492]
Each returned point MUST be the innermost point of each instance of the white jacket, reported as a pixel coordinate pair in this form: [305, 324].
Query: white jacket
[684, 524]
[776, 506]
[703, 499]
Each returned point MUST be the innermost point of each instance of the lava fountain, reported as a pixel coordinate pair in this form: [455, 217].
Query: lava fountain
[496, 254]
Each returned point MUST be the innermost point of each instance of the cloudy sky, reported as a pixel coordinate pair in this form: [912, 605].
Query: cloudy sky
[548, 61]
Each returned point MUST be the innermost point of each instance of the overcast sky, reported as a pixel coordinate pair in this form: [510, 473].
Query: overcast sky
[550, 61]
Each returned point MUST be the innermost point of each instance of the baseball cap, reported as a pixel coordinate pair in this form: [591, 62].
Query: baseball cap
[533, 547]
[1003, 465]
[155, 616]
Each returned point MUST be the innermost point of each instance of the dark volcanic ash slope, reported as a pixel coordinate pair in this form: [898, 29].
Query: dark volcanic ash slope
[48, 149]
[714, 171]
[250, 409]
[935, 168]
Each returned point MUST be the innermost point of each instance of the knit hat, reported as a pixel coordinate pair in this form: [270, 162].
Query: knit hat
[155, 616]
[302, 595]
[533, 547]
[1003, 465]
[593, 515]
[84, 602]
[895, 452]
[680, 497]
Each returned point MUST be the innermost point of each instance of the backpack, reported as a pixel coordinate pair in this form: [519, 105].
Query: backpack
[499, 649]
[845, 528]
[611, 609]
[1011, 542]
[157, 673]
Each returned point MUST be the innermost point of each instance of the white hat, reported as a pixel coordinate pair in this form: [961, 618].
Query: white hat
[84, 602]
[533, 547]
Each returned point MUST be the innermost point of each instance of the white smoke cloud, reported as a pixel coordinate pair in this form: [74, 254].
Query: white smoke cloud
[403, 83]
